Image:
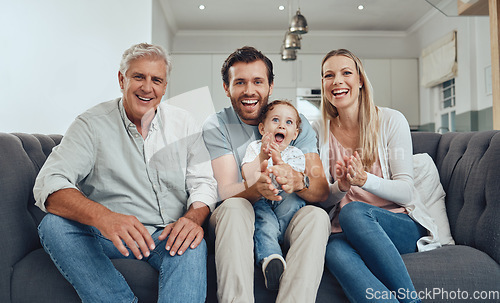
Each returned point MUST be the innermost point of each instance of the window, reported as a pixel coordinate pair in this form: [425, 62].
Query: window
[439, 60]
[448, 94]
[447, 107]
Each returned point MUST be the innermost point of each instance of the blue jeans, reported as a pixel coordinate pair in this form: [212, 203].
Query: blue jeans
[366, 257]
[271, 222]
[83, 255]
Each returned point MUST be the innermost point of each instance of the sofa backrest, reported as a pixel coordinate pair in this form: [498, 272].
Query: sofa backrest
[468, 163]
[469, 168]
[21, 157]
[424, 142]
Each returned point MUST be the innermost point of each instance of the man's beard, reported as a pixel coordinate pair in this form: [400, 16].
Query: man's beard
[245, 116]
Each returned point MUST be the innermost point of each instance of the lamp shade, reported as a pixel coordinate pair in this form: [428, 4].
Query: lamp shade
[292, 41]
[288, 54]
[298, 25]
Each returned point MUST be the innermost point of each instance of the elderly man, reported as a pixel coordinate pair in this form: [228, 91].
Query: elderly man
[131, 179]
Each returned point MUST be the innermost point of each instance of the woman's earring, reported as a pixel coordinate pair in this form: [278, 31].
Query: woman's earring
[361, 86]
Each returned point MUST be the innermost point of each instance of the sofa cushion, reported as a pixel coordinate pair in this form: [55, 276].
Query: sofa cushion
[468, 164]
[329, 289]
[432, 195]
[472, 206]
[452, 268]
[20, 156]
[36, 279]
[142, 278]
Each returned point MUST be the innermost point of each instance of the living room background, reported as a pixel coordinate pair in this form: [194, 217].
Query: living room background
[59, 58]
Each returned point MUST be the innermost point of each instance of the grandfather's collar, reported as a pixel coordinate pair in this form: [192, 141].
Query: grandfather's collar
[154, 125]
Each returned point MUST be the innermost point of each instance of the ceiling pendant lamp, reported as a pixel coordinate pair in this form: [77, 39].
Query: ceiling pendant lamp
[292, 41]
[288, 54]
[298, 25]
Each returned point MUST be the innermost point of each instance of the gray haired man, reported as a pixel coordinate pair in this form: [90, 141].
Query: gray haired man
[128, 182]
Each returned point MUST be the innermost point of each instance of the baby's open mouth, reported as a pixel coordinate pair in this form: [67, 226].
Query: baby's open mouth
[279, 137]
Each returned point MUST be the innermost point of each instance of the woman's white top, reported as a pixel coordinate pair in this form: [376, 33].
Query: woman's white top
[395, 152]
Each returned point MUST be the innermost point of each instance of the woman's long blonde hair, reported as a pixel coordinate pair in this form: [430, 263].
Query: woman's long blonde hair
[368, 113]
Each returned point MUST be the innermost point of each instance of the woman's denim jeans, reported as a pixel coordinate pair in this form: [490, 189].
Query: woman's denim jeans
[271, 221]
[366, 257]
[83, 256]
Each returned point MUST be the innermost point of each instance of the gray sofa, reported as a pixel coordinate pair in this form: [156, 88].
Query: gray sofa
[469, 167]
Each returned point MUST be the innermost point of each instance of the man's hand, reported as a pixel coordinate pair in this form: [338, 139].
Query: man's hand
[182, 234]
[264, 184]
[70, 203]
[187, 231]
[120, 228]
[285, 174]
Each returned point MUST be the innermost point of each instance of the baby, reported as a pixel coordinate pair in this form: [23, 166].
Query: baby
[279, 124]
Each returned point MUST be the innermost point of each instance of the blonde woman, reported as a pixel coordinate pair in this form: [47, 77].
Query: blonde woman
[366, 152]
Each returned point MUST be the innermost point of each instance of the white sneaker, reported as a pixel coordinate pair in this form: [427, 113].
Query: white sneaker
[273, 268]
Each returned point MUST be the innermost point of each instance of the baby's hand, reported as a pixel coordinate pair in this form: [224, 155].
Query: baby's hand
[276, 154]
[265, 149]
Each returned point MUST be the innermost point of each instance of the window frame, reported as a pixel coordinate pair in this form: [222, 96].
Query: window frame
[447, 104]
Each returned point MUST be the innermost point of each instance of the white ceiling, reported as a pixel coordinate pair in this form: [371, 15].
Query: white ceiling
[329, 15]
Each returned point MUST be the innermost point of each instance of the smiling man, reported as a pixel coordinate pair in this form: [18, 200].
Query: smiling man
[247, 77]
[131, 179]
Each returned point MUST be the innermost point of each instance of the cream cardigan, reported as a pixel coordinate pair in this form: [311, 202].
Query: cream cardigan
[396, 160]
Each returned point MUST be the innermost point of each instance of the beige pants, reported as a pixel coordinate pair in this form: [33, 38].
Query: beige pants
[306, 238]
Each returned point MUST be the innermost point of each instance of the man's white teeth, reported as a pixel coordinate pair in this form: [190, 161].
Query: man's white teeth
[249, 101]
[145, 99]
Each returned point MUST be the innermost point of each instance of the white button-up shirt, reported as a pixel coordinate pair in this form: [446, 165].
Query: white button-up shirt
[155, 179]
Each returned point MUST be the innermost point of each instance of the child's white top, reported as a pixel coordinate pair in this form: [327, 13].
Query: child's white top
[291, 155]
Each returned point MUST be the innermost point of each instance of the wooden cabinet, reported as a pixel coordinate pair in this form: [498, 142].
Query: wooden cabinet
[395, 85]
[285, 72]
[404, 89]
[309, 70]
[394, 81]
[219, 97]
[304, 72]
[379, 75]
[192, 71]
[284, 93]
[189, 71]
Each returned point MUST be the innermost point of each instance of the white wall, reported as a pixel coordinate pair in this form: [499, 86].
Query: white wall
[473, 55]
[473, 51]
[59, 57]
[483, 55]
[206, 50]
[371, 45]
[162, 33]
